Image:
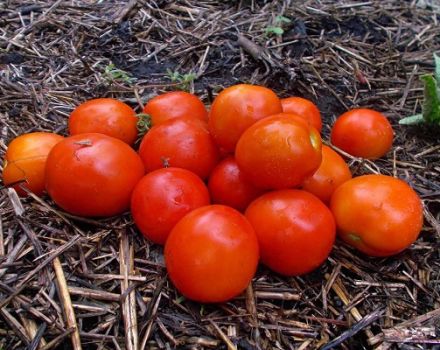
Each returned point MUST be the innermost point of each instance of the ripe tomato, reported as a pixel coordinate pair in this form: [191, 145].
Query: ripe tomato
[304, 108]
[182, 143]
[236, 108]
[332, 172]
[173, 105]
[162, 198]
[25, 160]
[279, 152]
[212, 254]
[363, 133]
[229, 186]
[104, 116]
[295, 230]
[92, 174]
[378, 214]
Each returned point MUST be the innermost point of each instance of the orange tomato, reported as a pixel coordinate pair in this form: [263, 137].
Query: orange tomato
[306, 109]
[105, 116]
[236, 108]
[332, 172]
[378, 214]
[25, 161]
[363, 133]
[173, 105]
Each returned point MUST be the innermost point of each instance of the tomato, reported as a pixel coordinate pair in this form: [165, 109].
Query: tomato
[304, 108]
[105, 116]
[332, 172]
[25, 160]
[363, 133]
[378, 214]
[236, 108]
[182, 143]
[173, 105]
[295, 230]
[279, 152]
[229, 186]
[212, 254]
[162, 198]
[92, 174]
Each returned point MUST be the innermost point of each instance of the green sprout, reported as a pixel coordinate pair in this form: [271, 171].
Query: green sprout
[113, 74]
[183, 81]
[276, 28]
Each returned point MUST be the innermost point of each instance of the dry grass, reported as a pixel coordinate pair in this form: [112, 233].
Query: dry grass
[68, 282]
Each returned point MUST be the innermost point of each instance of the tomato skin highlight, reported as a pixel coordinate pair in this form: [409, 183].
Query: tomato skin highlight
[377, 214]
[181, 143]
[106, 116]
[279, 152]
[295, 230]
[306, 109]
[92, 174]
[363, 132]
[175, 104]
[162, 198]
[212, 254]
[238, 107]
[332, 172]
[229, 186]
[25, 161]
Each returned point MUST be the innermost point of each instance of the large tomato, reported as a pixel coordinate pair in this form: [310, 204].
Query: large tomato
[279, 152]
[363, 133]
[163, 197]
[182, 143]
[173, 105]
[212, 254]
[25, 160]
[378, 214]
[104, 116]
[306, 109]
[92, 174]
[295, 230]
[229, 186]
[332, 172]
[236, 108]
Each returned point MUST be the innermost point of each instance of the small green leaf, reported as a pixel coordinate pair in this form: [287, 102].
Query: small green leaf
[414, 119]
[275, 30]
[431, 103]
[282, 19]
[180, 299]
[437, 68]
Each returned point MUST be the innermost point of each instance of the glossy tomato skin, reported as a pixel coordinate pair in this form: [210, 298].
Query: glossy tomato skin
[182, 143]
[92, 174]
[279, 152]
[175, 104]
[238, 107]
[229, 186]
[106, 116]
[363, 133]
[378, 214]
[25, 161]
[162, 198]
[212, 254]
[295, 230]
[306, 109]
[332, 172]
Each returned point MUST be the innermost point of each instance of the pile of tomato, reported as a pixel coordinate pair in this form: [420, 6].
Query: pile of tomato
[248, 182]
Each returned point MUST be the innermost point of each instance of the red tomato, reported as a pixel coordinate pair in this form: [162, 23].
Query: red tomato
[378, 214]
[306, 109]
[332, 172]
[212, 254]
[279, 152]
[173, 105]
[25, 161]
[295, 230]
[229, 186]
[105, 116]
[182, 143]
[236, 108]
[363, 133]
[92, 174]
[162, 198]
